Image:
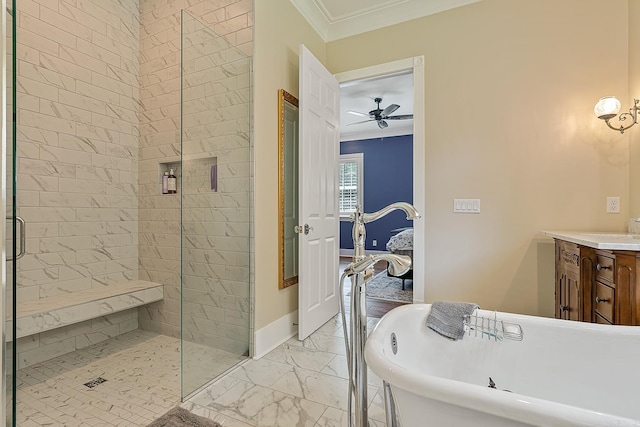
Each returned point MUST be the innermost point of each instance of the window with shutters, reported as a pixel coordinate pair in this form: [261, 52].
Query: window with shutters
[350, 184]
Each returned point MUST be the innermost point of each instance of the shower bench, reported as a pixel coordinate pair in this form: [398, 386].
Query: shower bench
[65, 309]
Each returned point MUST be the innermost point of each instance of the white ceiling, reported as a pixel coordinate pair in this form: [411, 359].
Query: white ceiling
[336, 19]
[359, 96]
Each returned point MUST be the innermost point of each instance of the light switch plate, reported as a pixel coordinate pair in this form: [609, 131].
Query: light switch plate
[466, 206]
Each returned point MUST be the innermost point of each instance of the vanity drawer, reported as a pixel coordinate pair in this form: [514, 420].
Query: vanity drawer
[604, 268]
[604, 301]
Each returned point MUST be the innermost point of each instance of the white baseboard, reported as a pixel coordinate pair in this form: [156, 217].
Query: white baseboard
[275, 333]
[349, 252]
[346, 252]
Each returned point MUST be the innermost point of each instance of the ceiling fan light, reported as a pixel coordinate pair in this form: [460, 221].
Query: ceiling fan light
[382, 124]
[607, 107]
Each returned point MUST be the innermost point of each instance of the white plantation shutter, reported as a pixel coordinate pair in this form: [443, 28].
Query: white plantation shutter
[350, 184]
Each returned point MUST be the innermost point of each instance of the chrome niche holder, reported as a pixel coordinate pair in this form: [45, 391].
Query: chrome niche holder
[361, 271]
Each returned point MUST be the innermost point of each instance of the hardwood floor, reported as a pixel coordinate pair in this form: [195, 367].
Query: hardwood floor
[375, 307]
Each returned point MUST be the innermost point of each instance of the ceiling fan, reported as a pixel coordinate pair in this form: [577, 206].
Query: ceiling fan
[381, 115]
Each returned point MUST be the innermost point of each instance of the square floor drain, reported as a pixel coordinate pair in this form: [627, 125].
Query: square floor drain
[93, 383]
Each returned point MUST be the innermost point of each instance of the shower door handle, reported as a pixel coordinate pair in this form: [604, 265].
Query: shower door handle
[22, 238]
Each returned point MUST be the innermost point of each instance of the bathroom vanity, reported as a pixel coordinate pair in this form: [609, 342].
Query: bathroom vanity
[597, 277]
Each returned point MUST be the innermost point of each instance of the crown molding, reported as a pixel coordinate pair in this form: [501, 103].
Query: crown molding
[387, 13]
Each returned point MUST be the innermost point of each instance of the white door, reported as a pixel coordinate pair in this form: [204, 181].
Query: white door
[318, 179]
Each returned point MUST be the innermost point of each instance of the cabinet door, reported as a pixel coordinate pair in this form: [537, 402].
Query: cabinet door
[568, 297]
[561, 291]
[560, 285]
[568, 285]
[573, 297]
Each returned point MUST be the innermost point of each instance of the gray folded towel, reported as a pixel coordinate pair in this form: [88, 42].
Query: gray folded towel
[447, 318]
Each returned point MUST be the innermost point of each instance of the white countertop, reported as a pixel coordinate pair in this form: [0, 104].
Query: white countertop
[599, 240]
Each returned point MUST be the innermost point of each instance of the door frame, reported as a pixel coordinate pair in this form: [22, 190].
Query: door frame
[416, 66]
[3, 206]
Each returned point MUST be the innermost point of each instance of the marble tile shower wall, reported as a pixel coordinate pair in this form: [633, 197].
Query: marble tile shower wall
[77, 142]
[216, 224]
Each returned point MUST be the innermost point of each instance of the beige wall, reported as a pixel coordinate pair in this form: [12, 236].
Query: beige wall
[279, 30]
[510, 88]
[634, 92]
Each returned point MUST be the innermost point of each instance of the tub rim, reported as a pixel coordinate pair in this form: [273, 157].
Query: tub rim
[512, 406]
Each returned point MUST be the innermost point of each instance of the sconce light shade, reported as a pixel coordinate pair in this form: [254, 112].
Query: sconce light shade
[607, 107]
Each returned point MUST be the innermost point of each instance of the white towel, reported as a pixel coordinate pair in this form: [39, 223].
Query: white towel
[447, 318]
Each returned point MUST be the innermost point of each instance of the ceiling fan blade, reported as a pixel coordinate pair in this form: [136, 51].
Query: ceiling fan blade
[390, 109]
[382, 124]
[357, 113]
[400, 117]
[357, 123]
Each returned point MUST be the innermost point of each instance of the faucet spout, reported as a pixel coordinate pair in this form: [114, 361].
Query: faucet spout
[398, 264]
[408, 209]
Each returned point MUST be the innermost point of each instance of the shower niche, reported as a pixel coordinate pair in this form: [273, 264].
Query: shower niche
[194, 175]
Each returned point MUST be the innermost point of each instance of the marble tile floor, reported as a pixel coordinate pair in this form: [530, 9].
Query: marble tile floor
[142, 370]
[300, 383]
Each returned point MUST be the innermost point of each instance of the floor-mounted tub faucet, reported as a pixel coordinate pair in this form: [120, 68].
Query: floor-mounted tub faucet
[359, 219]
[360, 271]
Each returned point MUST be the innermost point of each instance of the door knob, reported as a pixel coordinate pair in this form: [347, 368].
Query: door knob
[300, 229]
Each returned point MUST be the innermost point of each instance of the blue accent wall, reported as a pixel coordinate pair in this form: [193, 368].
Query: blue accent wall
[388, 178]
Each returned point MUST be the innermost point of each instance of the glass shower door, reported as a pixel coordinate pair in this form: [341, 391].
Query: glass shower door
[214, 186]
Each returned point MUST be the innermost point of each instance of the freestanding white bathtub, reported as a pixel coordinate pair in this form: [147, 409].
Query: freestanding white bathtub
[561, 374]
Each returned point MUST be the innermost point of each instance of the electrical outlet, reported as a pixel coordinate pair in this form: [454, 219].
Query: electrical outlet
[375, 242]
[613, 204]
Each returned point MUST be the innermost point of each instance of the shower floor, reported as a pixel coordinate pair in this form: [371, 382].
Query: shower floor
[142, 373]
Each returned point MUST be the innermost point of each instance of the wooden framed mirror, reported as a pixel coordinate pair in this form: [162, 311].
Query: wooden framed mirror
[288, 189]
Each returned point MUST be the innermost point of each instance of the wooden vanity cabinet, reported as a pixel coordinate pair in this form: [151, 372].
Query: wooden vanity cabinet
[600, 286]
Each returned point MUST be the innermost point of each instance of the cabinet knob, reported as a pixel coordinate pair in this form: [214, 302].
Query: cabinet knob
[598, 299]
[564, 308]
[603, 267]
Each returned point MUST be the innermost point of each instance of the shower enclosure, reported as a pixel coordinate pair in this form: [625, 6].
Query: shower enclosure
[108, 95]
[215, 170]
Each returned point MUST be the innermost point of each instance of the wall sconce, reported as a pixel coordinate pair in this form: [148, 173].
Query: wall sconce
[609, 107]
